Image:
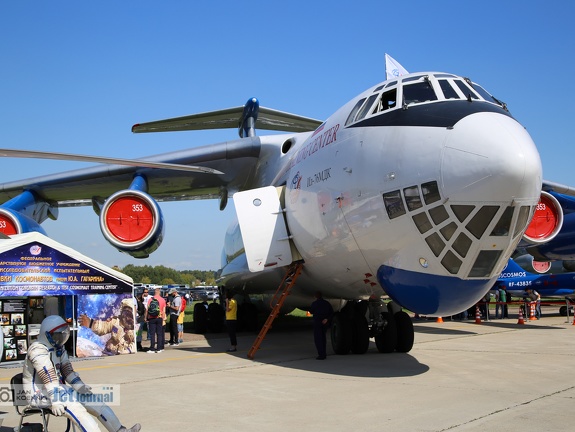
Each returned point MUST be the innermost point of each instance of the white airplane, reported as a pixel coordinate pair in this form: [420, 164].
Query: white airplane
[420, 187]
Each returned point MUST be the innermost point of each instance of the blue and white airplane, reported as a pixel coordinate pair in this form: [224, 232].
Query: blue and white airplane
[550, 236]
[518, 280]
[421, 187]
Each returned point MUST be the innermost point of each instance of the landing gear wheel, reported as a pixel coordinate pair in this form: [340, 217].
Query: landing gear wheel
[216, 319]
[404, 332]
[200, 318]
[386, 341]
[360, 335]
[340, 334]
[248, 317]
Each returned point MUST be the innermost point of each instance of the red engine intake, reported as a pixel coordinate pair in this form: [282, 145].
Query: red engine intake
[546, 222]
[132, 222]
[9, 225]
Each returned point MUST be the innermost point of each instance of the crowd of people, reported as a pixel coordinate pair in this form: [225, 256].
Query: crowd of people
[154, 312]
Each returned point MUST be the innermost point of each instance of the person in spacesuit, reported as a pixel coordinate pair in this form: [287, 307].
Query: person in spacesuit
[49, 381]
[120, 329]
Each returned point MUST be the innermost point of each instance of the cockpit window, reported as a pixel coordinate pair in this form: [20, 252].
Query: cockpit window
[365, 108]
[448, 91]
[466, 90]
[484, 94]
[354, 111]
[418, 92]
[387, 101]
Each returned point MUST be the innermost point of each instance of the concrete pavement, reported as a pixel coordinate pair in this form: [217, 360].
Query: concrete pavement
[460, 376]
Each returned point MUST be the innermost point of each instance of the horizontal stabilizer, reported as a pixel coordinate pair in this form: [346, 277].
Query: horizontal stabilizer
[268, 119]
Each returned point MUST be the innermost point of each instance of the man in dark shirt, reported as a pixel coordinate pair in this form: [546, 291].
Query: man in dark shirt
[322, 312]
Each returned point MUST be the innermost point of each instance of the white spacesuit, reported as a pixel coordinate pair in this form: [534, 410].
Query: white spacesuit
[119, 329]
[49, 379]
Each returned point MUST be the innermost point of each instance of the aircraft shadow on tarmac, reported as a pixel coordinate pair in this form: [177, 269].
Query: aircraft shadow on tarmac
[294, 348]
[369, 365]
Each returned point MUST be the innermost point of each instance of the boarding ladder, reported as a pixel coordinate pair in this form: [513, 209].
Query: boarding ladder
[276, 303]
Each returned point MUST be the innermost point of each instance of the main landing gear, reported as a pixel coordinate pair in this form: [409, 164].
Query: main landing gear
[391, 328]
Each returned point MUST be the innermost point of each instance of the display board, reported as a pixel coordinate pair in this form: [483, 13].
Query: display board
[14, 328]
[33, 266]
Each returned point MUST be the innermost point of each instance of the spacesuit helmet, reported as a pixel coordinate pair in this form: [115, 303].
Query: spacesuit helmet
[55, 330]
[127, 313]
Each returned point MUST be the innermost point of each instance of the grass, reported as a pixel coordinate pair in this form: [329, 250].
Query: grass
[293, 317]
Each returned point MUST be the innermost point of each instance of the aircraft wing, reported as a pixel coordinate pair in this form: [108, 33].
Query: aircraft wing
[267, 119]
[235, 160]
[558, 187]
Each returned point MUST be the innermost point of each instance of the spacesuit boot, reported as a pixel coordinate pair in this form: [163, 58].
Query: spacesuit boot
[134, 428]
[109, 419]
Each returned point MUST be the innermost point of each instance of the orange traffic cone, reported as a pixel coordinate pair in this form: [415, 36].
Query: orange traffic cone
[477, 315]
[520, 320]
[308, 313]
[439, 320]
[532, 307]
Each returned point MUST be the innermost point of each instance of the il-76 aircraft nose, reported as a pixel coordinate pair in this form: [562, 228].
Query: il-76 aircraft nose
[489, 183]
[490, 157]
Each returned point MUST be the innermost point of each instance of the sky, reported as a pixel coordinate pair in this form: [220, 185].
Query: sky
[75, 76]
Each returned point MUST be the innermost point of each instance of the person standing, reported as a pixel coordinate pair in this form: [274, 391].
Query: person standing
[145, 299]
[231, 320]
[140, 312]
[322, 312]
[503, 301]
[155, 316]
[174, 306]
[181, 317]
[535, 298]
[497, 305]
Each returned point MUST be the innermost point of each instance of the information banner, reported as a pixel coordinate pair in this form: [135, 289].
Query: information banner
[35, 269]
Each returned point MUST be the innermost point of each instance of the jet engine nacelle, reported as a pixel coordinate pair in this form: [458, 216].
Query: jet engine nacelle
[132, 222]
[13, 222]
[546, 222]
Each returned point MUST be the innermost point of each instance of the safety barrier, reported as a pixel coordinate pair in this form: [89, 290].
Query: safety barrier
[527, 310]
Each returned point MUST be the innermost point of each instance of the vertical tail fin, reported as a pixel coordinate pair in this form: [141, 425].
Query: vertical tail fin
[247, 123]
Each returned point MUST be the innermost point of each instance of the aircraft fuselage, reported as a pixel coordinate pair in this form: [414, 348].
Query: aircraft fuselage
[421, 186]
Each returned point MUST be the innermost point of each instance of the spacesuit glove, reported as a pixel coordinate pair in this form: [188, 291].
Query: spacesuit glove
[58, 408]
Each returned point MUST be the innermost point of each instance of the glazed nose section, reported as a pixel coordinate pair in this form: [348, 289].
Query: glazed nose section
[490, 157]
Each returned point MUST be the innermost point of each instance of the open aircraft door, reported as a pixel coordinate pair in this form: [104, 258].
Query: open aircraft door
[263, 227]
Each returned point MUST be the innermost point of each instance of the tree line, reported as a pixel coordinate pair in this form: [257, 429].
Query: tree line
[162, 275]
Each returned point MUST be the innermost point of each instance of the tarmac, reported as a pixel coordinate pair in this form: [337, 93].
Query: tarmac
[459, 376]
